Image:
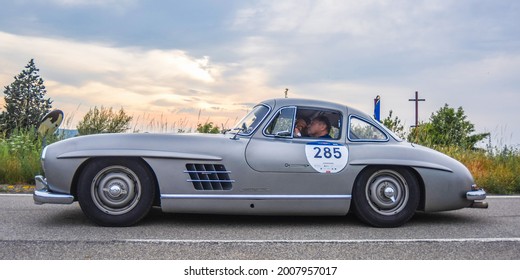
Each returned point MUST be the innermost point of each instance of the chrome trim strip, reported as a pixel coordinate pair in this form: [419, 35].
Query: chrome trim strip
[208, 172]
[252, 197]
[212, 181]
[136, 153]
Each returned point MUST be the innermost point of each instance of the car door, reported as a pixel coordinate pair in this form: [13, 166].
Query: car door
[274, 149]
[299, 175]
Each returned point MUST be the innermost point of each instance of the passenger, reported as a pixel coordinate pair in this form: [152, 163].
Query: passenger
[300, 128]
[319, 127]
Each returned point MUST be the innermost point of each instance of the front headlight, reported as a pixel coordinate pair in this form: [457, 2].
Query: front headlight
[42, 158]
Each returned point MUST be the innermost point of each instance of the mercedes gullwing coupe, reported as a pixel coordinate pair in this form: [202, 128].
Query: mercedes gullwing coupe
[285, 157]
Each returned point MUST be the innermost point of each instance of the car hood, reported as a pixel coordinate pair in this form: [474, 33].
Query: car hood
[194, 146]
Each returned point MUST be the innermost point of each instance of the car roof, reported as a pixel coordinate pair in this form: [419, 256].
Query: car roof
[281, 102]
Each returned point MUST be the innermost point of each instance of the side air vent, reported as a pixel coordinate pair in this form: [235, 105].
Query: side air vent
[209, 177]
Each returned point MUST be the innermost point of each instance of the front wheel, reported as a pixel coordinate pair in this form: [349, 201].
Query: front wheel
[386, 197]
[116, 192]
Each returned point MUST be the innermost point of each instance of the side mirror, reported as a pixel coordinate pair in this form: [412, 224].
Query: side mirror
[50, 123]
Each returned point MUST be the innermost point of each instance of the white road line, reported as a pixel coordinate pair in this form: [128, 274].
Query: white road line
[16, 194]
[489, 196]
[427, 240]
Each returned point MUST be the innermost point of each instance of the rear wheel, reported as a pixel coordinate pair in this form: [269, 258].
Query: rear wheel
[386, 197]
[116, 192]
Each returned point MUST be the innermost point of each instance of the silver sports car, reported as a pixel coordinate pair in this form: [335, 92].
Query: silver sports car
[285, 157]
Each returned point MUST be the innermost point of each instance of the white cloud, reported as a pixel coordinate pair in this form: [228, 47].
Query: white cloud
[334, 16]
[64, 58]
[372, 25]
[104, 71]
[94, 74]
[350, 51]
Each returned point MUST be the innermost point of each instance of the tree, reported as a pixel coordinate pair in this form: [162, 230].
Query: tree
[25, 102]
[394, 124]
[207, 128]
[447, 127]
[104, 120]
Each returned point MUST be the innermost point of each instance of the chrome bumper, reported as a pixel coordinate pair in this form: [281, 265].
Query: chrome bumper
[43, 195]
[477, 194]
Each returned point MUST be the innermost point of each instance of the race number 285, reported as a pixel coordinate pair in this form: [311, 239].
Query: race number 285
[326, 157]
[326, 152]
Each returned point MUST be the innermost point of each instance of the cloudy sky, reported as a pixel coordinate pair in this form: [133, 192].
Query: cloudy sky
[178, 62]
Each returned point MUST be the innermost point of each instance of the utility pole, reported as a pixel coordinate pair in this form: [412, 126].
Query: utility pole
[416, 108]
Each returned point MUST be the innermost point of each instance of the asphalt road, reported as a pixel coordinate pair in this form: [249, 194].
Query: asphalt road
[29, 231]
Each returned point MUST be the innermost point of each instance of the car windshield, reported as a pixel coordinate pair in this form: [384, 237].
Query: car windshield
[250, 122]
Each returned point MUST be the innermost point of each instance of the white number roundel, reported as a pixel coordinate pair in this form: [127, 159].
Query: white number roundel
[326, 157]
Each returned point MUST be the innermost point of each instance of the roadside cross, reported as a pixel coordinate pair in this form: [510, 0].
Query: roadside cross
[416, 108]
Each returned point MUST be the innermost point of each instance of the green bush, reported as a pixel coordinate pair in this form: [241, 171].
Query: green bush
[20, 157]
[104, 120]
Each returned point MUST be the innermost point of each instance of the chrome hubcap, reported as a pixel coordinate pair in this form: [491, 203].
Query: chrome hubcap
[116, 190]
[387, 192]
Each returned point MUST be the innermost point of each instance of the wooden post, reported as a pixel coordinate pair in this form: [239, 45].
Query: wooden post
[416, 100]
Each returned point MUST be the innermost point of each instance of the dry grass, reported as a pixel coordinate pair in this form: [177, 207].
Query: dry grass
[496, 170]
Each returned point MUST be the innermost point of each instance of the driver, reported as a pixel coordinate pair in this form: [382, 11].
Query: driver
[319, 127]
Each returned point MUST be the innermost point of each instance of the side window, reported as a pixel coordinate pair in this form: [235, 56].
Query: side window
[361, 130]
[317, 123]
[282, 123]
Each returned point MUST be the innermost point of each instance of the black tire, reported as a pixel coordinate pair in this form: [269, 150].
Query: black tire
[116, 191]
[386, 196]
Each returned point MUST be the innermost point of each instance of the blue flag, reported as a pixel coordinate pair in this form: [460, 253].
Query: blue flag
[377, 108]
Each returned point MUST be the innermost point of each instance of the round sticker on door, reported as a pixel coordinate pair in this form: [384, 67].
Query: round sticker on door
[326, 157]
